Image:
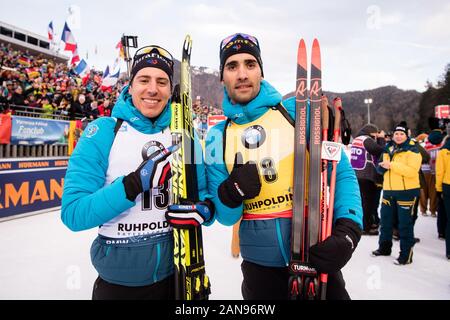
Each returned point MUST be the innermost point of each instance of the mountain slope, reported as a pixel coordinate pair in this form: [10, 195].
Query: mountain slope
[390, 104]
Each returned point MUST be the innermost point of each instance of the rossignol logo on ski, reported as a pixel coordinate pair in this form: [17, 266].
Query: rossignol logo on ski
[317, 138]
[315, 88]
[301, 88]
[331, 151]
[302, 126]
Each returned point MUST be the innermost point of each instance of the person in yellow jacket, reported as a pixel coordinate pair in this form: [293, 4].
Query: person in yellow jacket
[443, 186]
[400, 166]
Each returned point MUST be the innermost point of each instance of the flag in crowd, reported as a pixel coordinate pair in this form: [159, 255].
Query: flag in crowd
[24, 61]
[109, 80]
[82, 69]
[121, 50]
[116, 64]
[75, 56]
[68, 38]
[106, 73]
[32, 73]
[51, 33]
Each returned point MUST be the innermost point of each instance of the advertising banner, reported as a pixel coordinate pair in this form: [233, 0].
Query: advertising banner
[31, 184]
[33, 131]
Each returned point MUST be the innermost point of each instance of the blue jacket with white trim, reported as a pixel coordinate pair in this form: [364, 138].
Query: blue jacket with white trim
[267, 242]
[88, 203]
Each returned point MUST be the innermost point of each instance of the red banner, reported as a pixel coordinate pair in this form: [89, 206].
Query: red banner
[214, 119]
[442, 111]
[5, 128]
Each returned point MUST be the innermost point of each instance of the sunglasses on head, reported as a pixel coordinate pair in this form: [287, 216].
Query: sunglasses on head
[233, 37]
[154, 49]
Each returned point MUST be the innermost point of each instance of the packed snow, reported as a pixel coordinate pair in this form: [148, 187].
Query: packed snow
[41, 259]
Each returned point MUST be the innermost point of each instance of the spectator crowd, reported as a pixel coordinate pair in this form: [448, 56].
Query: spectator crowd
[35, 83]
[399, 176]
[51, 88]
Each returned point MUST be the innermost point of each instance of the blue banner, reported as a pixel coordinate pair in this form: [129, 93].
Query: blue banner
[31, 185]
[32, 131]
[33, 163]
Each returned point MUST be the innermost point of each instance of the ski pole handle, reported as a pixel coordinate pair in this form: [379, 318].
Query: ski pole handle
[337, 119]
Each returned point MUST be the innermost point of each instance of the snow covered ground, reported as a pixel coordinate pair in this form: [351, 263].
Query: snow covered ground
[41, 259]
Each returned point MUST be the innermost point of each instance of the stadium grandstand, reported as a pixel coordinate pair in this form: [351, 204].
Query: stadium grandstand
[23, 40]
[40, 90]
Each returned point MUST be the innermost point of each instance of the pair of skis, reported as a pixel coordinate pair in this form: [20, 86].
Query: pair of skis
[191, 281]
[312, 214]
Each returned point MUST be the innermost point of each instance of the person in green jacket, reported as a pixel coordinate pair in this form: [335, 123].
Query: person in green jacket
[47, 108]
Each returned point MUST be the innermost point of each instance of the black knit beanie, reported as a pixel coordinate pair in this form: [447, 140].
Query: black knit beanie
[403, 127]
[152, 59]
[239, 45]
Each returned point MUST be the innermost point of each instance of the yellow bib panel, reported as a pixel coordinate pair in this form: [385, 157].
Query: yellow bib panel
[268, 141]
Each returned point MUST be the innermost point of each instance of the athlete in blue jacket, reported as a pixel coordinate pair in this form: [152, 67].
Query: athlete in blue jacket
[249, 161]
[119, 180]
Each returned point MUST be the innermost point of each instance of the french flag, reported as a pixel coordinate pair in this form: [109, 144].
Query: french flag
[51, 33]
[75, 57]
[109, 81]
[106, 73]
[68, 39]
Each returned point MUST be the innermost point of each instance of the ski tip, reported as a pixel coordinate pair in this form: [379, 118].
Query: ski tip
[316, 42]
[301, 54]
[315, 56]
[187, 41]
[301, 43]
[187, 46]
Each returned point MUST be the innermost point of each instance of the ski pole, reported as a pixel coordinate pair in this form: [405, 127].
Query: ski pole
[336, 134]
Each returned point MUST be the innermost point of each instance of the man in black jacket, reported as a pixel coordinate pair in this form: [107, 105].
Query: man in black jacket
[77, 107]
[366, 149]
[18, 99]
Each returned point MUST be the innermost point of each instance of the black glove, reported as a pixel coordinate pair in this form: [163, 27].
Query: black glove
[331, 255]
[243, 183]
[439, 195]
[145, 177]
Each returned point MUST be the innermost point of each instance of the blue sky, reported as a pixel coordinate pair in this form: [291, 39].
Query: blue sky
[365, 44]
